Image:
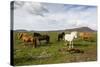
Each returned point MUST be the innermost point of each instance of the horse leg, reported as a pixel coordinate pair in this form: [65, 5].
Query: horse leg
[65, 43]
[58, 39]
[72, 44]
[34, 43]
[24, 44]
[69, 44]
[47, 40]
[39, 42]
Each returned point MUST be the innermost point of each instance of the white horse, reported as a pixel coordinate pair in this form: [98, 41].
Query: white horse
[70, 38]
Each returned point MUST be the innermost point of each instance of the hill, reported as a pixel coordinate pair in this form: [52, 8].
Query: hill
[80, 29]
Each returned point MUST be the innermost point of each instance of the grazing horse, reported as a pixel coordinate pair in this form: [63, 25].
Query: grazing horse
[86, 35]
[70, 38]
[60, 36]
[42, 37]
[28, 39]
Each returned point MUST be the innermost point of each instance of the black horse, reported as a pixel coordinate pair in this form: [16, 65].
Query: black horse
[42, 37]
[60, 36]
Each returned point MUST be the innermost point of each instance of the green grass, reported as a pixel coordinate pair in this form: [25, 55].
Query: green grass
[50, 54]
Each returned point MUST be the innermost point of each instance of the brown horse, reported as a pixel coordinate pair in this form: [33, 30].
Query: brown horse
[42, 37]
[28, 39]
[86, 35]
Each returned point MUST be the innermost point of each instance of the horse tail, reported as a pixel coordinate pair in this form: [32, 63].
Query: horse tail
[34, 42]
[59, 37]
[48, 39]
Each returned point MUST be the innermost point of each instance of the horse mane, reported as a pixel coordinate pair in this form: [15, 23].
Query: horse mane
[63, 33]
[36, 34]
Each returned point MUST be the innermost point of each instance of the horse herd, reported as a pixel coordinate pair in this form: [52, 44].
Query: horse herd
[68, 38]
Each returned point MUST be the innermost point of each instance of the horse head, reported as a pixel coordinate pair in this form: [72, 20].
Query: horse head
[63, 33]
[74, 33]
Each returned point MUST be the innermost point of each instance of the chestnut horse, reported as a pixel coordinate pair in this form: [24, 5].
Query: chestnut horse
[86, 35]
[28, 39]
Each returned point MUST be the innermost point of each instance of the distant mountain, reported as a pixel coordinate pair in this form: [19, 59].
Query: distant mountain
[20, 30]
[81, 29]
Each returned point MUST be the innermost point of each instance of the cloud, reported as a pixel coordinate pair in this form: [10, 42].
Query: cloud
[33, 8]
[78, 7]
[48, 16]
[17, 4]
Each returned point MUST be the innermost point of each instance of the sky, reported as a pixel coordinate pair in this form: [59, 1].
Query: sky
[52, 16]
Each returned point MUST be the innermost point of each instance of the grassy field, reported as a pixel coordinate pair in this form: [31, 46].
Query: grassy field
[50, 54]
